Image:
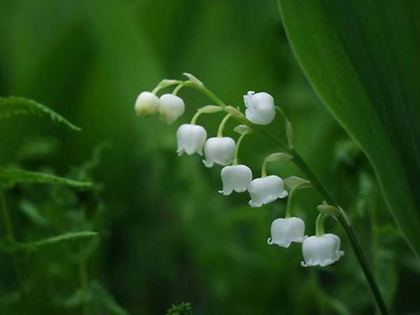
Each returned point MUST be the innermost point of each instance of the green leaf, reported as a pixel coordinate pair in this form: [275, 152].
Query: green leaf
[15, 175]
[362, 59]
[105, 298]
[13, 105]
[30, 246]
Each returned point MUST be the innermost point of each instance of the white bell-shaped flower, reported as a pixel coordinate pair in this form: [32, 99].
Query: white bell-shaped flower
[147, 103]
[259, 108]
[235, 178]
[265, 190]
[321, 250]
[286, 230]
[219, 150]
[190, 139]
[171, 107]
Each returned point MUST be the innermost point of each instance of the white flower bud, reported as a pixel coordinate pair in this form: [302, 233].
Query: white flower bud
[235, 178]
[190, 139]
[147, 103]
[287, 230]
[321, 250]
[219, 150]
[265, 190]
[171, 107]
[260, 108]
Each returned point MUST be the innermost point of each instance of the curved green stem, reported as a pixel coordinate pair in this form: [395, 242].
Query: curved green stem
[178, 88]
[264, 168]
[238, 143]
[195, 117]
[166, 83]
[300, 163]
[222, 125]
[319, 224]
[202, 88]
[289, 204]
[341, 217]
[348, 229]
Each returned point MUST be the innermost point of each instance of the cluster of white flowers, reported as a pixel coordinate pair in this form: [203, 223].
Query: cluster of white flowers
[318, 250]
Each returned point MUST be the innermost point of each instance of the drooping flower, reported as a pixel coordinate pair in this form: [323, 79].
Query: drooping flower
[147, 103]
[286, 230]
[171, 107]
[321, 250]
[190, 139]
[259, 108]
[235, 178]
[219, 150]
[264, 190]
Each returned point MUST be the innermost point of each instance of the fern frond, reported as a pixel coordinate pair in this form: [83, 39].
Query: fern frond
[35, 245]
[9, 247]
[13, 106]
[11, 176]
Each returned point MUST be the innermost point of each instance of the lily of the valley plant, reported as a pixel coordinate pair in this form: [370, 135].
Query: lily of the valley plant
[321, 249]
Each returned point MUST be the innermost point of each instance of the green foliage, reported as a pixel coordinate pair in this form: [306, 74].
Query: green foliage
[361, 58]
[180, 309]
[165, 234]
[90, 295]
[13, 106]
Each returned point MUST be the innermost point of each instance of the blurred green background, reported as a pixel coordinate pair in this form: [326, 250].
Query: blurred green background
[166, 235]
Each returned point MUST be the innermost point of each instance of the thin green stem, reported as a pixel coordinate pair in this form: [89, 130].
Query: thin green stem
[178, 88]
[264, 168]
[342, 217]
[195, 117]
[166, 83]
[289, 204]
[348, 229]
[319, 224]
[202, 88]
[238, 143]
[10, 237]
[222, 125]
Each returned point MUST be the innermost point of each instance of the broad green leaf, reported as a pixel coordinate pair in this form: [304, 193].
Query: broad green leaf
[13, 105]
[15, 175]
[362, 59]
